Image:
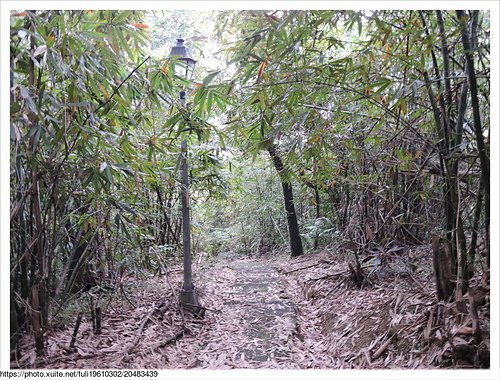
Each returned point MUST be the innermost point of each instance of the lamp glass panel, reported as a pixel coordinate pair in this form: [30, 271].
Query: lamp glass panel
[184, 68]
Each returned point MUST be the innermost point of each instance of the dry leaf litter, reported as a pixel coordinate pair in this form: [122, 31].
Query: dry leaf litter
[277, 312]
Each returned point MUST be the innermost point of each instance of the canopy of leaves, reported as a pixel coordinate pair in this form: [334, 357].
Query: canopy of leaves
[381, 120]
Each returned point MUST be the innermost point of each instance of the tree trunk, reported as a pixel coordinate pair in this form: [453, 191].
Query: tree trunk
[291, 215]
[317, 205]
[476, 115]
[475, 230]
[68, 268]
[40, 309]
[14, 325]
[162, 237]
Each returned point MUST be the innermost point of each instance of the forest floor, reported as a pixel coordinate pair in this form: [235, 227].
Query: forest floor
[277, 312]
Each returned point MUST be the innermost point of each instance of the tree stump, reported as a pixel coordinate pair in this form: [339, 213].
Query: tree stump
[442, 267]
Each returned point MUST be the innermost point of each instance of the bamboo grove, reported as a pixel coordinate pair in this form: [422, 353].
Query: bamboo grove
[373, 126]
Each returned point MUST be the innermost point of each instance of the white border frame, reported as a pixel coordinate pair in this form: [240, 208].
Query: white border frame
[492, 5]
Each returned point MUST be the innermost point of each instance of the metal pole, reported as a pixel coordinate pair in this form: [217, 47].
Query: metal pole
[186, 236]
[188, 295]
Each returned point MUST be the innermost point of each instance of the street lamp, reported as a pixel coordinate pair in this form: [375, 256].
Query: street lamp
[184, 63]
[184, 67]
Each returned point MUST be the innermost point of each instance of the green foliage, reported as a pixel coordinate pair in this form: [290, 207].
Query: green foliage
[356, 103]
[320, 228]
[248, 218]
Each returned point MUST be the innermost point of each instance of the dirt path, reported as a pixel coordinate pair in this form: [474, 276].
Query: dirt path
[262, 321]
[305, 314]
[263, 304]
[255, 323]
[251, 322]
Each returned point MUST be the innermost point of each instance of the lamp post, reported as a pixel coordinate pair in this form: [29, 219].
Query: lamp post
[184, 66]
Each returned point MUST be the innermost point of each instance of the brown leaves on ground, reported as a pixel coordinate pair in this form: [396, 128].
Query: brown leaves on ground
[395, 321]
[305, 313]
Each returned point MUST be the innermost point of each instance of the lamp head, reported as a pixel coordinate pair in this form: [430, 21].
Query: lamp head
[184, 65]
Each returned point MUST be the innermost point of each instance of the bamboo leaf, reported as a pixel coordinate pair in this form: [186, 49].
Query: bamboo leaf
[210, 77]
[122, 16]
